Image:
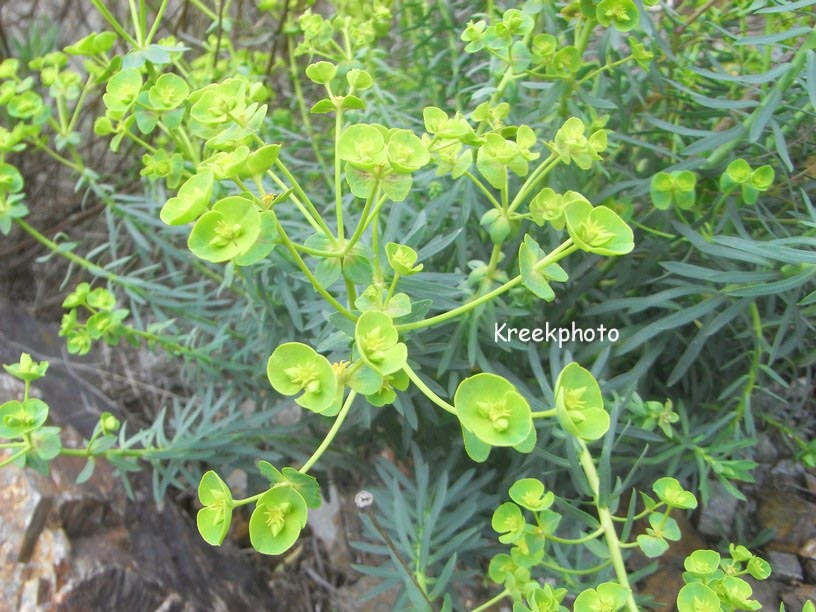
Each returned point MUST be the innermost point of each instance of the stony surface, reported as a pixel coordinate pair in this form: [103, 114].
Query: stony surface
[67, 547]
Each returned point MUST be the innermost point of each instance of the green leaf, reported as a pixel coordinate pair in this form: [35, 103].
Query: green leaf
[406, 152]
[46, 442]
[304, 484]
[27, 369]
[652, 546]
[537, 280]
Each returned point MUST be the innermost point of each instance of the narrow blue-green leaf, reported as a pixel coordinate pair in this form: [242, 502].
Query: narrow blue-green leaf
[774, 288]
[781, 144]
[768, 39]
[811, 76]
[746, 79]
[788, 6]
[764, 114]
[677, 319]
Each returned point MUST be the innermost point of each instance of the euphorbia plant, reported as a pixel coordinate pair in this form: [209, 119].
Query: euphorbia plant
[242, 201]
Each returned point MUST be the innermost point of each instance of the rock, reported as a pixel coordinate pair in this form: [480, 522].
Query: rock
[766, 592]
[792, 518]
[717, 517]
[809, 567]
[808, 549]
[794, 600]
[326, 523]
[785, 566]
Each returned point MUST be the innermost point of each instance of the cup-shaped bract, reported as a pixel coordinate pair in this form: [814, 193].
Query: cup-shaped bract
[547, 205]
[321, 72]
[579, 403]
[217, 102]
[192, 200]
[406, 151]
[609, 596]
[11, 181]
[277, 520]
[169, 92]
[27, 369]
[227, 231]
[702, 563]
[697, 597]
[598, 229]
[294, 367]
[571, 144]
[402, 259]
[669, 491]
[676, 188]
[377, 339]
[213, 520]
[19, 418]
[362, 146]
[122, 90]
[491, 408]
[508, 520]
[623, 15]
[530, 493]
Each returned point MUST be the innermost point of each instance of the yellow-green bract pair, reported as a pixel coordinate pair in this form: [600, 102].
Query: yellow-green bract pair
[494, 413]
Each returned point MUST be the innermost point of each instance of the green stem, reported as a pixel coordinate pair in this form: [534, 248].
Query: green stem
[745, 399]
[605, 517]
[205, 9]
[362, 223]
[112, 22]
[537, 176]
[544, 414]
[492, 601]
[302, 194]
[338, 422]
[581, 540]
[566, 248]
[308, 273]
[427, 391]
[576, 572]
[338, 192]
[156, 22]
[483, 189]
[15, 456]
[392, 287]
[305, 116]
